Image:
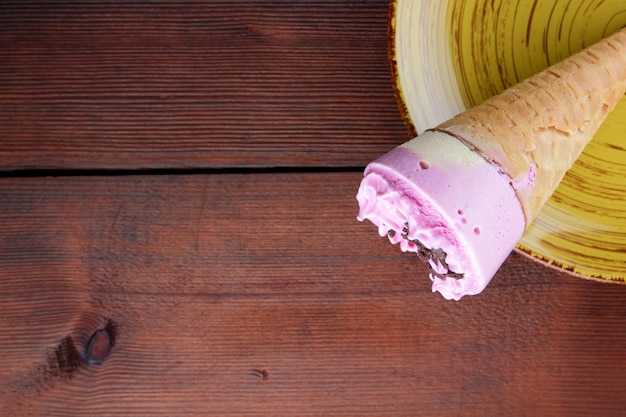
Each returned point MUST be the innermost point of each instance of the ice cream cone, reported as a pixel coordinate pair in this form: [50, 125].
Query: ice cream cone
[535, 130]
[460, 195]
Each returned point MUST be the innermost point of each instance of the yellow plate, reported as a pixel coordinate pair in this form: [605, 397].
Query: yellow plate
[447, 56]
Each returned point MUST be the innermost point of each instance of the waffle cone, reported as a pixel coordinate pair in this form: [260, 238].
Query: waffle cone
[535, 130]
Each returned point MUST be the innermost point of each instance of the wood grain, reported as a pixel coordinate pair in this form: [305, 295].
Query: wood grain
[261, 294]
[127, 85]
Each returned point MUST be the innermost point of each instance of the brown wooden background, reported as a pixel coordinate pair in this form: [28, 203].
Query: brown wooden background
[180, 176]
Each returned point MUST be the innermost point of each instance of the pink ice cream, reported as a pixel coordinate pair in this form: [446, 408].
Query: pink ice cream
[440, 199]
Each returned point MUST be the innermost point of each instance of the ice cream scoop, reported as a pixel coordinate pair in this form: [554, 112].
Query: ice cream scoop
[461, 194]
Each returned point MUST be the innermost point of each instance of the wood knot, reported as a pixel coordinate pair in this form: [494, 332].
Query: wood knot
[100, 344]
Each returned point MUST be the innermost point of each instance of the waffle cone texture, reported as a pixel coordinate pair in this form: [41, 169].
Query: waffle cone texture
[534, 131]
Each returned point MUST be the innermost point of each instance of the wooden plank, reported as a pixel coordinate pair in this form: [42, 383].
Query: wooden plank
[261, 294]
[126, 85]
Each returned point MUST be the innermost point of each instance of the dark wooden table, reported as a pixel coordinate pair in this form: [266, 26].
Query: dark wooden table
[178, 232]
